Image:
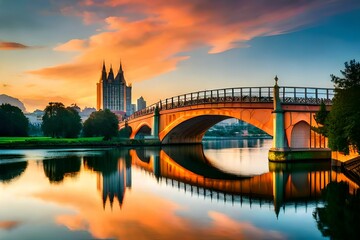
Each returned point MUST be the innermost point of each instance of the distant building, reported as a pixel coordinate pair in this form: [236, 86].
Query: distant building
[112, 92]
[86, 112]
[141, 103]
[133, 108]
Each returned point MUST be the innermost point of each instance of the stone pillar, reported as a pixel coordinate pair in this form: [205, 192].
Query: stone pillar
[280, 152]
[156, 120]
[279, 140]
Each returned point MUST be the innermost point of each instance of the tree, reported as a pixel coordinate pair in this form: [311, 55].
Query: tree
[320, 118]
[351, 76]
[12, 121]
[101, 123]
[72, 123]
[126, 131]
[342, 124]
[59, 121]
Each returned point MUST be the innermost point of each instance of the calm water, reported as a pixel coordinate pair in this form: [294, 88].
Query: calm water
[223, 190]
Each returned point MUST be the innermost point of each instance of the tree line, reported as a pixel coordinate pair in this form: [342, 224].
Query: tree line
[59, 121]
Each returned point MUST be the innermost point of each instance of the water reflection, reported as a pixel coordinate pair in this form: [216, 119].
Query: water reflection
[11, 171]
[167, 192]
[56, 169]
[187, 168]
[340, 216]
[244, 143]
[114, 168]
[298, 183]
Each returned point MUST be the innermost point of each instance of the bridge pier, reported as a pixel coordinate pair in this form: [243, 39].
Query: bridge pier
[155, 126]
[281, 152]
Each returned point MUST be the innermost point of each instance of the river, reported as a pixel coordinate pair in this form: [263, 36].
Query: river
[223, 189]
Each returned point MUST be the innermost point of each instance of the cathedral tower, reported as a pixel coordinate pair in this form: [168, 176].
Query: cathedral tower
[112, 92]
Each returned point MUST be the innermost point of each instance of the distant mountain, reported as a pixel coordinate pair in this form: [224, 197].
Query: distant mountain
[12, 101]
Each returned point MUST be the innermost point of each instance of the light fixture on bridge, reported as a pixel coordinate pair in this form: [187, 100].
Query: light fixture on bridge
[276, 79]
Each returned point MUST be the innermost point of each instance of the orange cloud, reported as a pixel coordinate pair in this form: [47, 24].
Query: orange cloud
[72, 45]
[12, 46]
[150, 36]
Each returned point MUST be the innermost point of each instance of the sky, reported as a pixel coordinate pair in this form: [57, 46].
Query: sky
[54, 50]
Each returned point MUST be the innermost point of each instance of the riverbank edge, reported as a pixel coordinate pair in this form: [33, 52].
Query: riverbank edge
[61, 143]
[85, 144]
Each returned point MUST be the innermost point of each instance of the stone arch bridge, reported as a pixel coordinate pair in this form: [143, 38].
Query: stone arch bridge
[286, 113]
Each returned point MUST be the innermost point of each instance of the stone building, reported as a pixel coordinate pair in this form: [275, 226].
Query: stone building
[112, 91]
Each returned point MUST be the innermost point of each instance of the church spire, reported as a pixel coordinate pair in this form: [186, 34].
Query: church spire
[103, 73]
[103, 68]
[111, 74]
[120, 68]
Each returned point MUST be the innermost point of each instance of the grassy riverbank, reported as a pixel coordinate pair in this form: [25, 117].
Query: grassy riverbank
[48, 142]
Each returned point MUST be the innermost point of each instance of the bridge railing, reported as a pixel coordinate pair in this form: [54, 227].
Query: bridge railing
[288, 95]
[309, 96]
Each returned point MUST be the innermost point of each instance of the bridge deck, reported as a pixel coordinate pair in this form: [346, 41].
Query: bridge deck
[288, 95]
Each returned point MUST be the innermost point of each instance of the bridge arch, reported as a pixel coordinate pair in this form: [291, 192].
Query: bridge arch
[300, 135]
[143, 129]
[191, 127]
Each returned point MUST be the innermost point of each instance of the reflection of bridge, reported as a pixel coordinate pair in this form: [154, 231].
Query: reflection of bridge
[180, 166]
[286, 113]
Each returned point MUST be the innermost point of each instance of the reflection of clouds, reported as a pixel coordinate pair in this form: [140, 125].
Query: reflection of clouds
[239, 161]
[242, 230]
[8, 225]
[146, 216]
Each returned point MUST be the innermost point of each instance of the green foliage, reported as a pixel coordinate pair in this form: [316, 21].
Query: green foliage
[12, 121]
[59, 121]
[342, 124]
[49, 140]
[351, 76]
[320, 118]
[125, 132]
[340, 216]
[35, 129]
[101, 123]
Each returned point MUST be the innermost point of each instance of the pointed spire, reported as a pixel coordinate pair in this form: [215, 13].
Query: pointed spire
[104, 68]
[103, 73]
[111, 74]
[121, 69]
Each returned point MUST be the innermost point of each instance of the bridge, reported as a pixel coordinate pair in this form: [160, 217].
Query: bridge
[286, 113]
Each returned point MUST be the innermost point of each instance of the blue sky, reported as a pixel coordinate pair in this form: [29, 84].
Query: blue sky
[53, 50]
